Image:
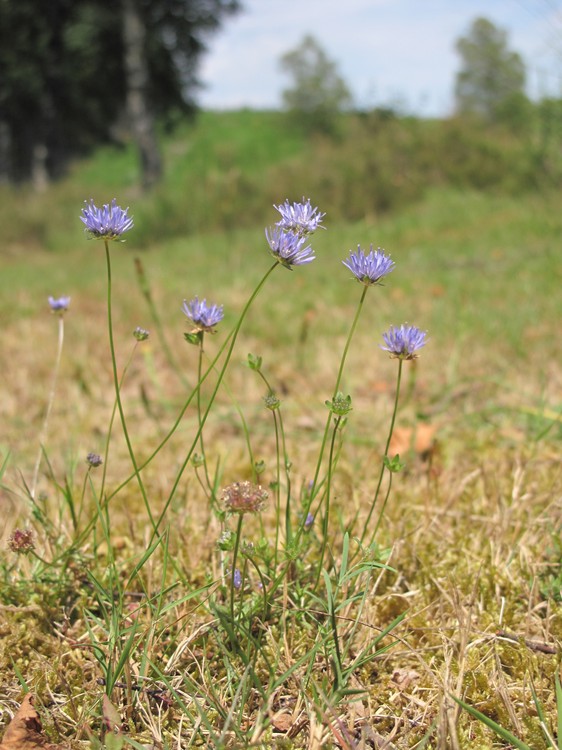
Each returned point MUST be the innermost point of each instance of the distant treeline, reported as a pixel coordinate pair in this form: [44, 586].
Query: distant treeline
[226, 170]
[376, 162]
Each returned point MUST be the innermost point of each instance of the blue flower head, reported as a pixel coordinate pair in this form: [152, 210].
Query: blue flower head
[237, 579]
[59, 304]
[369, 269]
[204, 317]
[106, 223]
[288, 248]
[404, 342]
[299, 218]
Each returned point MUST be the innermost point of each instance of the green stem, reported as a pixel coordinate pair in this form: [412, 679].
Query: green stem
[118, 392]
[91, 523]
[391, 430]
[234, 559]
[312, 493]
[147, 294]
[43, 433]
[325, 521]
[222, 372]
[277, 488]
[201, 443]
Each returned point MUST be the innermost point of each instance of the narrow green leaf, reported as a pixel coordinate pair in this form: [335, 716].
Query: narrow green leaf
[344, 559]
[491, 724]
[559, 709]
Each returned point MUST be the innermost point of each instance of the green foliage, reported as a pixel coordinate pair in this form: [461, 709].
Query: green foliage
[57, 100]
[318, 92]
[491, 80]
[227, 170]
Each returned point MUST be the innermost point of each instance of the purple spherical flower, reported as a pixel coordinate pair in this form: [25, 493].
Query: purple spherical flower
[403, 342]
[237, 579]
[94, 460]
[369, 269]
[204, 317]
[288, 248]
[59, 304]
[300, 218]
[106, 223]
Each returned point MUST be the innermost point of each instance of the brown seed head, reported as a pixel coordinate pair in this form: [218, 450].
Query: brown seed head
[244, 497]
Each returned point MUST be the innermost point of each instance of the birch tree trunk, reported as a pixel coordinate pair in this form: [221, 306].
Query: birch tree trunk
[139, 113]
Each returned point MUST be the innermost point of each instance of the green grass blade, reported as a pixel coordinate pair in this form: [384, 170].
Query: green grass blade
[559, 710]
[491, 724]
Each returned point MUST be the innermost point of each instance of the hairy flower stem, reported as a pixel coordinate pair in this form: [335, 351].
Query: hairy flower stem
[118, 392]
[375, 498]
[50, 402]
[313, 489]
[233, 337]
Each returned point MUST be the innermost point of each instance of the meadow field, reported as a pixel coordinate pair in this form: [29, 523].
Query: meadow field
[363, 626]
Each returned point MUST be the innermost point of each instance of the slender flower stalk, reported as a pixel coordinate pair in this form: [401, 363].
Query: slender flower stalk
[241, 498]
[58, 306]
[146, 292]
[201, 337]
[203, 319]
[383, 465]
[118, 391]
[104, 462]
[314, 485]
[403, 343]
[326, 518]
[231, 340]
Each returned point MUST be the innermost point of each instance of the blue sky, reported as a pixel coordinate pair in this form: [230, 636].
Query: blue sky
[390, 52]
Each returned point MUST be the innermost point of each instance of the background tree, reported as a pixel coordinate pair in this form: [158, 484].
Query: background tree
[492, 77]
[318, 92]
[70, 70]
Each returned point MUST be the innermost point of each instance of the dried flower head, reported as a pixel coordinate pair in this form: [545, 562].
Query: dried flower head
[21, 541]
[244, 497]
[141, 334]
[203, 316]
[299, 218]
[106, 223]
[403, 342]
[271, 401]
[371, 268]
[59, 304]
[289, 248]
[94, 460]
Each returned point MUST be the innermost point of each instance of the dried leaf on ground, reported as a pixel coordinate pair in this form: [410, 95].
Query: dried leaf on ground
[25, 732]
[420, 439]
